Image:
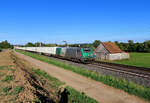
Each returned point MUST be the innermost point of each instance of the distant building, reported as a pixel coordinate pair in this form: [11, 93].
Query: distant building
[110, 51]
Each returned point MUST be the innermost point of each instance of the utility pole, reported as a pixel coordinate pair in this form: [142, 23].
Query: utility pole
[40, 44]
[65, 43]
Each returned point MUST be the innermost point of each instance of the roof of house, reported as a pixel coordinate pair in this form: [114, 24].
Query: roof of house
[112, 47]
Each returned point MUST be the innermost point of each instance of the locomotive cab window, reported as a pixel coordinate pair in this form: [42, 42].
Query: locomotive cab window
[87, 50]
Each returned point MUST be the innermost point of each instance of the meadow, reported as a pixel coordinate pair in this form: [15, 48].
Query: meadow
[136, 59]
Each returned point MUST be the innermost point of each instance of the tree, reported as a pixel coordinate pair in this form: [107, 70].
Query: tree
[122, 46]
[37, 44]
[29, 44]
[50, 45]
[134, 47]
[96, 43]
[117, 43]
[147, 46]
[5, 45]
[131, 46]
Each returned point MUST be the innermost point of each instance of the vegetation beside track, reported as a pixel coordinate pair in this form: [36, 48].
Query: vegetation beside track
[9, 88]
[20, 83]
[136, 59]
[74, 97]
[122, 84]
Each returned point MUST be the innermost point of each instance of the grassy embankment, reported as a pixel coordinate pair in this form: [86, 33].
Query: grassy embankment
[74, 97]
[122, 84]
[13, 92]
[136, 59]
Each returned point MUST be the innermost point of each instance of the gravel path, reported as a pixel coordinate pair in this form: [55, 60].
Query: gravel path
[99, 91]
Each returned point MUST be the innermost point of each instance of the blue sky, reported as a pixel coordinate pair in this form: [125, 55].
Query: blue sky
[76, 21]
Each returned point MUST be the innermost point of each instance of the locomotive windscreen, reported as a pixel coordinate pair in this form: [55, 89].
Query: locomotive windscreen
[87, 50]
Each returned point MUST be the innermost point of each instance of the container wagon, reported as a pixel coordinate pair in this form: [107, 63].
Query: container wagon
[43, 50]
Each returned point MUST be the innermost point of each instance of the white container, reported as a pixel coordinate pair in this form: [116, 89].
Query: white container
[63, 51]
[46, 50]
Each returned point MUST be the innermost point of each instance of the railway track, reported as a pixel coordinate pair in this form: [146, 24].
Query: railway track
[124, 69]
[131, 70]
[137, 75]
[119, 68]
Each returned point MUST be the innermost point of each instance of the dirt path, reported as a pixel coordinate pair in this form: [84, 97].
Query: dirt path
[94, 89]
[5, 59]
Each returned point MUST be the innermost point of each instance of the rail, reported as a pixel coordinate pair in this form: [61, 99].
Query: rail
[131, 70]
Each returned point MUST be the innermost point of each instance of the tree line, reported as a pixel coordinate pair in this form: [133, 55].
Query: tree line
[130, 46]
[83, 45]
[134, 47]
[39, 44]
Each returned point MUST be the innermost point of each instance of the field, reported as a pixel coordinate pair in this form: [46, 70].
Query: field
[22, 83]
[137, 59]
[129, 87]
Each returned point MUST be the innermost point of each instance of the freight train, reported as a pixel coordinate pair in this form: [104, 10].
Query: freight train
[72, 53]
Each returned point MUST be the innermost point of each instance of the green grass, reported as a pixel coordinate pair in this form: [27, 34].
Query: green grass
[13, 99]
[74, 97]
[18, 89]
[6, 90]
[54, 82]
[8, 78]
[122, 84]
[137, 59]
[9, 91]
[7, 68]
[3, 67]
[78, 97]
[36, 100]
